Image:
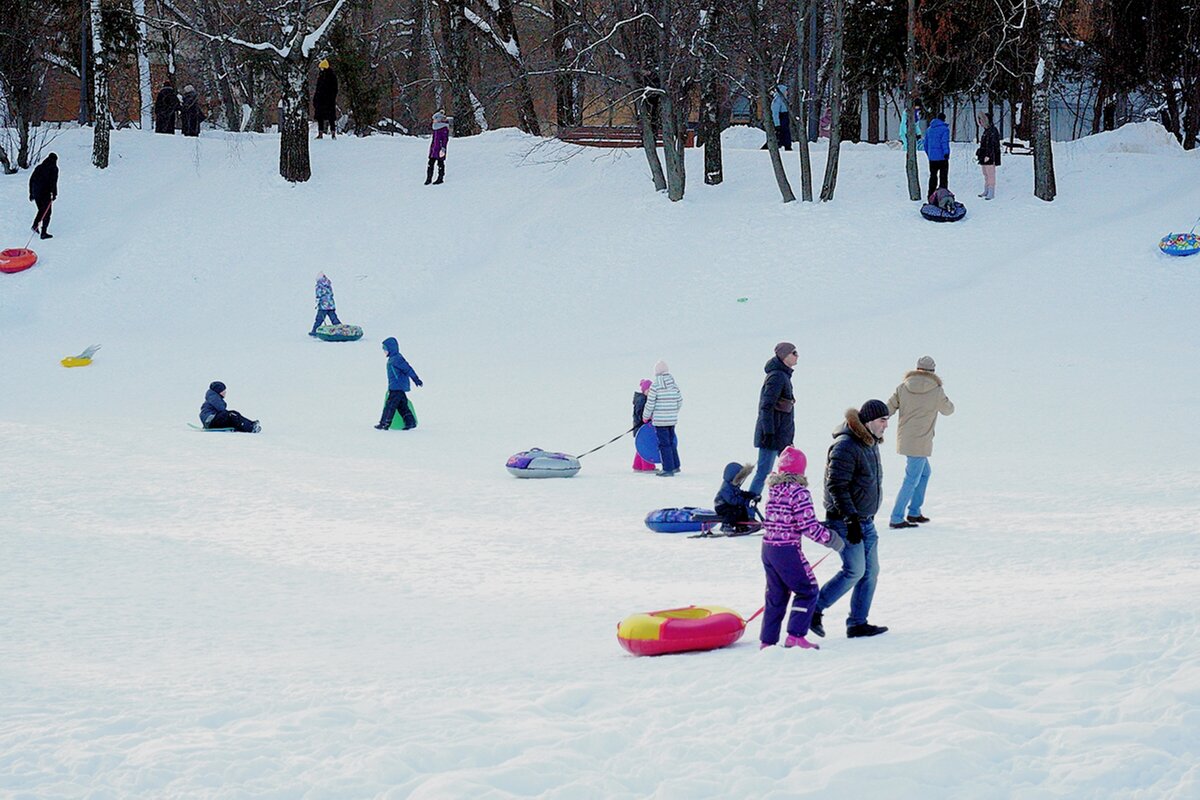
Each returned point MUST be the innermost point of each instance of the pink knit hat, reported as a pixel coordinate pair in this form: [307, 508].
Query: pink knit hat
[645, 384]
[793, 461]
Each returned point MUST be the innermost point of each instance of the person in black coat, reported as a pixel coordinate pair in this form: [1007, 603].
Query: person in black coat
[776, 426]
[325, 100]
[190, 113]
[166, 106]
[988, 154]
[43, 190]
[853, 492]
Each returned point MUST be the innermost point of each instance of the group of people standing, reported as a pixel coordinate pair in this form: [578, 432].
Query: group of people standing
[852, 495]
[169, 104]
[936, 144]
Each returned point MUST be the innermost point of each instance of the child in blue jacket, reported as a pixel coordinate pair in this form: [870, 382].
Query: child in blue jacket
[733, 502]
[398, 371]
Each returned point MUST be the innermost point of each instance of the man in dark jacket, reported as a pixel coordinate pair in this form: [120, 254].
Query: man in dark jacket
[776, 426]
[190, 113]
[853, 491]
[43, 190]
[215, 415]
[325, 100]
[988, 154]
[398, 372]
[166, 106]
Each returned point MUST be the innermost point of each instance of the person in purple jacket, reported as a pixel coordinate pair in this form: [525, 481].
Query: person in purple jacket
[437, 147]
[790, 515]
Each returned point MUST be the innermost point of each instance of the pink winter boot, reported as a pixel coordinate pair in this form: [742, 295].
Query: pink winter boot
[801, 642]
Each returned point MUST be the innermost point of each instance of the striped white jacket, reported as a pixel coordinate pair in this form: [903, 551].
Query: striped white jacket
[663, 402]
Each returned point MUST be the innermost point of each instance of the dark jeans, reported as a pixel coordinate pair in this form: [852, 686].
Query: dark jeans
[397, 400]
[44, 207]
[441, 165]
[939, 175]
[322, 313]
[231, 419]
[668, 448]
[323, 124]
[788, 573]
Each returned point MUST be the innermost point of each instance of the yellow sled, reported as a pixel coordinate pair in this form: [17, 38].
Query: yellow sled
[81, 360]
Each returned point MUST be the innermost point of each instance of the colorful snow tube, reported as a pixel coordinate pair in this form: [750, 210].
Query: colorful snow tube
[680, 630]
[1180, 244]
[538, 463]
[938, 214]
[18, 259]
[677, 520]
[339, 333]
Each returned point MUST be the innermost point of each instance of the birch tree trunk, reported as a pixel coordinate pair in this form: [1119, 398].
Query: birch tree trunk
[1043, 81]
[431, 52]
[566, 105]
[758, 63]
[102, 122]
[835, 105]
[648, 146]
[294, 164]
[527, 118]
[709, 121]
[910, 111]
[800, 106]
[454, 33]
[145, 88]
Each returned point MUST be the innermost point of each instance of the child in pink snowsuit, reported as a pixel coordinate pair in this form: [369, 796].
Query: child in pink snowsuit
[639, 405]
[790, 516]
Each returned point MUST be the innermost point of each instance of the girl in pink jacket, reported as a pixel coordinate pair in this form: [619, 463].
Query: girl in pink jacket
[790, 516]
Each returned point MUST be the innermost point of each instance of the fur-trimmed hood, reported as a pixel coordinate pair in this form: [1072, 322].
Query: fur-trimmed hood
[857, 429]
[919, 381]
[776, 478]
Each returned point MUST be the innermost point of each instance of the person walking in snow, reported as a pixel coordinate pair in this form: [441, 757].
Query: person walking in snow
[190, 113]
[325, 100]
[166, 106]
[325, 305]
[919, 399]
[937, 147]
[782, 118]
[215, 414]
[776, 425]
[988, 154]
[790, 516]
[437, 147]
[43, 191]
[663, 401]
[639, 405]
[853, 490]
[399, 371]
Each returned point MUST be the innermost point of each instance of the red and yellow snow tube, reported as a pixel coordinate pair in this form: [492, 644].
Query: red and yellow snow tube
[18, 259]
[680, 630]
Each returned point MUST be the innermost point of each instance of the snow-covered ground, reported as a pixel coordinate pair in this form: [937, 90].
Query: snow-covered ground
[328, 611]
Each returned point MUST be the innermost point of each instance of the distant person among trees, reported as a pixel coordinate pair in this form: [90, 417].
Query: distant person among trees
[782, 118]
[937, 147]
[43, 190]
[215, 414]
[437, 147]
[919, 114]
[190, 113]
[166, 106]
[325, 100]
[988, 154]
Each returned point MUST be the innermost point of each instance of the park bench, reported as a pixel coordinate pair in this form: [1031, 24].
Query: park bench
[614, 136]
[1017, 148]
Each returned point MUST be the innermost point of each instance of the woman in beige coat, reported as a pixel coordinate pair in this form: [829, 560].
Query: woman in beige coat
[919, 399]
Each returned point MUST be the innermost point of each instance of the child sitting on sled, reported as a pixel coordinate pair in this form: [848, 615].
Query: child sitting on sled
[790, 516]
[732, 502]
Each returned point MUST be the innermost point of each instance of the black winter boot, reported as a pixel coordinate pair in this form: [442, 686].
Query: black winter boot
[865, 629]
[817, 626]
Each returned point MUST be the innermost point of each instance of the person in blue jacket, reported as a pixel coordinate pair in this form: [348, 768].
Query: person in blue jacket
[398, 371]
[214, 414]
[781, 116]
[937, 147]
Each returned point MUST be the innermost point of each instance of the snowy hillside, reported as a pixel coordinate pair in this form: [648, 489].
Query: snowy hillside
[329, 611]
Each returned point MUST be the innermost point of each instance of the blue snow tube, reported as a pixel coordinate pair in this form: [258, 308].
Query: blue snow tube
[938, 214]
[1180, 244]
[677, 520]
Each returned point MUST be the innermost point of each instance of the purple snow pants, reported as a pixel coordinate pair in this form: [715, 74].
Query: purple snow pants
[788, 573]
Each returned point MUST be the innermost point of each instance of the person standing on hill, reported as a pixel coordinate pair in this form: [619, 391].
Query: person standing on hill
[776, 425]
[919, 399]
[166, 106]
[325, 100]
[782, 118]
[43, 190]
[326, 307]
[399, 371]
[190, 113]
[663, 402]
[988, 154]
[853, 490]
[437, 147]
[937, 147]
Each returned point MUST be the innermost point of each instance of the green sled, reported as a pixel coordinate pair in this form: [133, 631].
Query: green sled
[397, 420]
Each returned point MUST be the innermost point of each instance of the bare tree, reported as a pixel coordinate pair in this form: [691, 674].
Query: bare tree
[501, 30]
[1043, 82]
[101, 119]
[566, 83]
[705, 49]
[760, 57]
[837, 71]
[801, 100]
[910, 111]
[454, 41]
